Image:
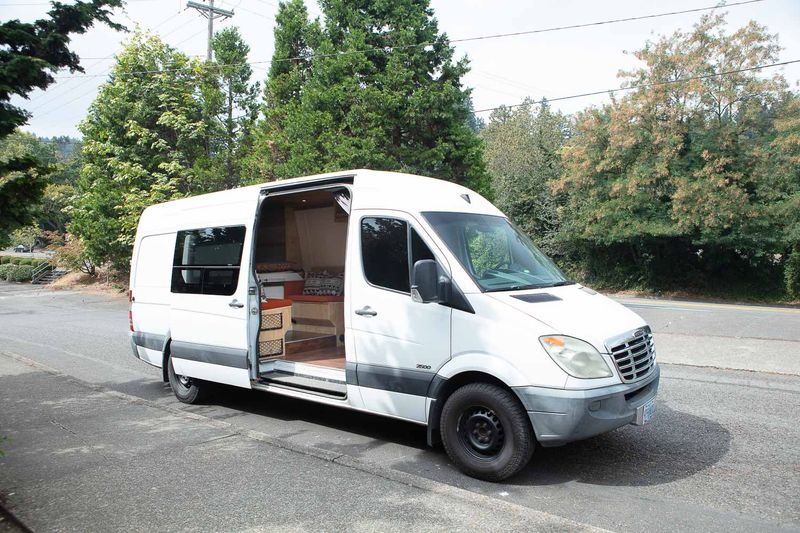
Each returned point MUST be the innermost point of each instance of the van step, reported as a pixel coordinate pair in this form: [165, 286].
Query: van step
[337, 388]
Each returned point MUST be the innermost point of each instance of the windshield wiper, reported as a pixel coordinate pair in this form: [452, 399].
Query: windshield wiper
[532, 286]
[517, 287]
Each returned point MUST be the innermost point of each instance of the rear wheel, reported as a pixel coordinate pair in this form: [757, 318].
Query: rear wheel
[486, 432]
[186, 389]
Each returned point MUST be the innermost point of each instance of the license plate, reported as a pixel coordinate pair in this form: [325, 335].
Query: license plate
[644, 413]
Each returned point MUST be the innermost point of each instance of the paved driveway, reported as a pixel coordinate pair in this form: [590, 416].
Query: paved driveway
[721, 455]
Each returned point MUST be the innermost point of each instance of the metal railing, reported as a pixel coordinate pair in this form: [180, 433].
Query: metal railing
[40, 271]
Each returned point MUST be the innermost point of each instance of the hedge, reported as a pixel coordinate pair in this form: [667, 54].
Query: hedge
[5, 269]
[20, 273]
[5, 259]
[11, 272]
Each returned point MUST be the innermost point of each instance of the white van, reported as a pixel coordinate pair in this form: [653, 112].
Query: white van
[394, 294]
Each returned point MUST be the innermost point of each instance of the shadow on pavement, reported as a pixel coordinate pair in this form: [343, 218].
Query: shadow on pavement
[675, 446]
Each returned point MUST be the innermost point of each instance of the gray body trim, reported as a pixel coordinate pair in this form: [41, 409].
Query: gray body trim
[215, 355]
[560, 416]
[133, 347]
[151, 341]
[414, 382]
[351, 377]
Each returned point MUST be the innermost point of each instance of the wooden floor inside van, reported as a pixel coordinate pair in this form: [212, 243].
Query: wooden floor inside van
[314, 349]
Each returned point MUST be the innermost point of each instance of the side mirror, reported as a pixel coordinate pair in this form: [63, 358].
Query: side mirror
[427, 284]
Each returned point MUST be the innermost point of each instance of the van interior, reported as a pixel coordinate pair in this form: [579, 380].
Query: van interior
[300, 253]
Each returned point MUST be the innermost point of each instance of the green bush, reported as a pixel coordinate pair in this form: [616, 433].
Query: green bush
[25, 261]
[21, 273]
[4, 259]
[7, 270]
[11, 272]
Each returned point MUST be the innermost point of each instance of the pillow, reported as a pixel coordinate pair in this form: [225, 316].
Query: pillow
[323, 284]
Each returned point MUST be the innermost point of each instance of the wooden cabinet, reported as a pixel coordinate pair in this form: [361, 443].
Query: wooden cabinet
[319, 317]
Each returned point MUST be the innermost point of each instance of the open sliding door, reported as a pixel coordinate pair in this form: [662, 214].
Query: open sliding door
[209, 306]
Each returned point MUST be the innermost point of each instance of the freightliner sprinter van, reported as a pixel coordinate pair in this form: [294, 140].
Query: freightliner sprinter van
[392, 294]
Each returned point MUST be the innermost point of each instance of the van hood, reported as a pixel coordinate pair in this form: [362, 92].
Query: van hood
[574, 310]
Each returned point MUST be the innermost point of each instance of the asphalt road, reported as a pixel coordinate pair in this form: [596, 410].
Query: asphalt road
[721, 455]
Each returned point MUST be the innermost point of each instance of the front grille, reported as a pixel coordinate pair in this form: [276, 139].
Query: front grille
[635, 356]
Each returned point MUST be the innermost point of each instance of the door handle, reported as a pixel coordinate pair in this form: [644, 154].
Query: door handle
[366, 311]
[236, 304]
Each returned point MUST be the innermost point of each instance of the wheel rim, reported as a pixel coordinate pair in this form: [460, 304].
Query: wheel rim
[184, 381]
[481, 432]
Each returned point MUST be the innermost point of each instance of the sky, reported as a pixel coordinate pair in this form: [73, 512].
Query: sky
[504, 70]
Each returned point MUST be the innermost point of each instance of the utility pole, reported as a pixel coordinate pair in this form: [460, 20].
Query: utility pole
[210, 12]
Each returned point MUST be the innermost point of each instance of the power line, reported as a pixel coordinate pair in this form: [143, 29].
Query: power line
[603, 22]
[641, 86]
[388, 49]
[99, 60]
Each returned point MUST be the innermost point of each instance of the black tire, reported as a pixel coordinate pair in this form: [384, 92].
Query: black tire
[187, 390]
[486, 432]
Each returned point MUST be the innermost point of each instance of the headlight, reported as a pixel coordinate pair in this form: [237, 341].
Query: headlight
[578, 358]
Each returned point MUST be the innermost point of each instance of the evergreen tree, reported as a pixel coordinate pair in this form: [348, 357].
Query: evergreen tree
[142, 136]
[383, 91]
[230, 105]
[295, 39]
[30, 52]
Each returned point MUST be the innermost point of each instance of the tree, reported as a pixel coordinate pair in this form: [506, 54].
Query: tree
[295, 40]
[61, 182]
[27, 163]
[30, 52]
[382, 91]
[141, 138]
[523, 159]
[27, 236]
[70, 253]
[666, 179]
[230, 104]
[55, 173]
[781, 178]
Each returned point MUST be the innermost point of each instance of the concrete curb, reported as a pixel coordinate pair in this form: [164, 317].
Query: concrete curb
[13, 520]
[539, 520]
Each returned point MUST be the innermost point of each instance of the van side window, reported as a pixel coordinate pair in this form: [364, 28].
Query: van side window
[207, 261]
[384, 252]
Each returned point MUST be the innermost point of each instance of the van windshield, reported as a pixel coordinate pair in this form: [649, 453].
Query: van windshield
[495, 253]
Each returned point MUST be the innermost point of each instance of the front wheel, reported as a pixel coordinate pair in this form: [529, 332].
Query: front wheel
[186, 389]
[486, 432]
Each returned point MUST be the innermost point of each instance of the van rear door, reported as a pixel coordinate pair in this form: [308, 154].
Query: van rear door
[209, 302]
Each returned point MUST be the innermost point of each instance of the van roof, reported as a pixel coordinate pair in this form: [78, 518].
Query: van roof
[372, 190]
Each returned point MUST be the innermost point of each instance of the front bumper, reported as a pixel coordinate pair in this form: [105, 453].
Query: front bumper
[561, 416]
